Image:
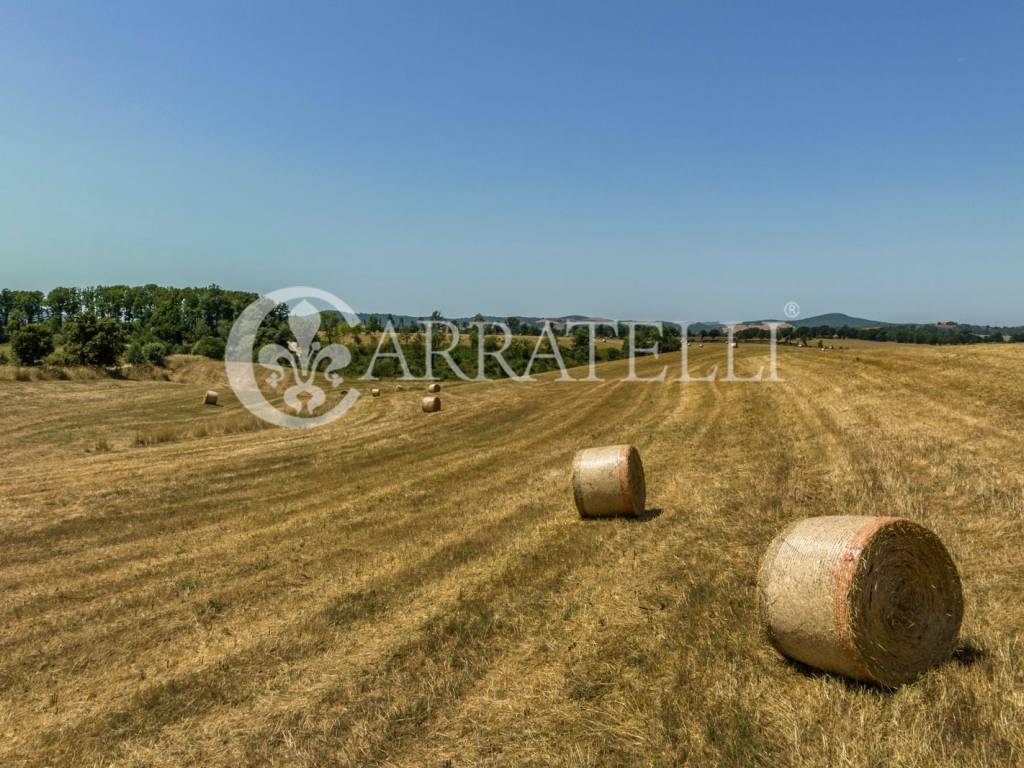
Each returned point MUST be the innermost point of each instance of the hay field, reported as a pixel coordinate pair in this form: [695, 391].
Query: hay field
[406, 589]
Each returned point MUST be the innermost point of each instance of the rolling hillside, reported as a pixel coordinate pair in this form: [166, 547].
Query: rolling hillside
[837, 320]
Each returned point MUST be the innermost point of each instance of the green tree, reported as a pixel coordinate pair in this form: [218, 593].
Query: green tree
[133, 352]
[154, 352]
[94, 341]
[210, 346]
[31, 343]
[16, 319]
[62, 303]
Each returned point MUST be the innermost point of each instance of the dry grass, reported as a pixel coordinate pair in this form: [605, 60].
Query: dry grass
[404, 591]
[145, 372]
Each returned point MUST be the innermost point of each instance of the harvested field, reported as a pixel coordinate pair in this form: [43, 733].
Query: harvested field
[405, 591]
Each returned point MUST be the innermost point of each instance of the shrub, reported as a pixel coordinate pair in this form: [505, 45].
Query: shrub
[209, 346]
[60, 359]
[154, 352]
[31, 343]
[3, 358]
[133, 353]
[93, 341]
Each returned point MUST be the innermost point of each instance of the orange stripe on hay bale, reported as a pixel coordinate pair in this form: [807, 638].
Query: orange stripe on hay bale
[608, 481]
[873, 598]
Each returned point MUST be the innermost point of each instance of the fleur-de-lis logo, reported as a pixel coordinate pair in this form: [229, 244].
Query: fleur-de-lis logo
[305, 357]
[300, 365]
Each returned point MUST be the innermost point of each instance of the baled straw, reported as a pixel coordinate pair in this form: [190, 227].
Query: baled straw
[375, 392]
[431, 404]
[873, 598]
[434, 388]
[608, 481]
[210, 398]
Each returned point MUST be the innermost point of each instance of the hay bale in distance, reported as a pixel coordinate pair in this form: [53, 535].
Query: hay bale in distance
[873, 598]
[434, 388]
[210, 398]
[609, 481]
[431, 404]
[375, 392]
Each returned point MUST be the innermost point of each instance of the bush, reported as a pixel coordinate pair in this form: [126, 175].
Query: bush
[133, 353]
[209, 346]
[31, 343]
[154, 352]
[93, 341]
[3, 358]
[60, 359]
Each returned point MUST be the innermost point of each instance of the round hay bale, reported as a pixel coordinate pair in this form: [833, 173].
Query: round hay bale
[431, 404]
[873, 598]
[375, 392]
[734, 345]
[608, 481]
[398, 387]
[434, 388]
[210, 398]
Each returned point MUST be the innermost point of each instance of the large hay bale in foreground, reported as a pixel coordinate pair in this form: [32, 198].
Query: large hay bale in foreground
[431, 404]
[434, 388]
[608, 481]
[210, 398]
[874, 598]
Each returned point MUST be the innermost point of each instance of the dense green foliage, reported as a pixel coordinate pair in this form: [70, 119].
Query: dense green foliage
[31, 343]
[103, 325]
[903, 334]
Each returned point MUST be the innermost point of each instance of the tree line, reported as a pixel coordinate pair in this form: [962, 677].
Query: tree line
[103, 325]
[901, 334]
[107, 325]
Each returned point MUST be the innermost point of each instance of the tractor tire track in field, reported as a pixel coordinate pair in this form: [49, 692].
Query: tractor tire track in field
[432, 598]
[578, 414]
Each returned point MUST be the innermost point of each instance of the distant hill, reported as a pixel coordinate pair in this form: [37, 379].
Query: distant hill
[832, 319]
[556, 322]
[837, 320]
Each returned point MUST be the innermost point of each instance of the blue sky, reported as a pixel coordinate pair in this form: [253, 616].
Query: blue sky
[684, 160]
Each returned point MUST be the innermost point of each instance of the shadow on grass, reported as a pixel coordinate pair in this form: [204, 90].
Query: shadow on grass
[644, 517]
[967, 654]
[647, 515]
[850, 684]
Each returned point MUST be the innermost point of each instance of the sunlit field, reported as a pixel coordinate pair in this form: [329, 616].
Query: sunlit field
[180, 586]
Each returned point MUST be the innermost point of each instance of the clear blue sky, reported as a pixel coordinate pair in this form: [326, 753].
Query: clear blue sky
[688, 160]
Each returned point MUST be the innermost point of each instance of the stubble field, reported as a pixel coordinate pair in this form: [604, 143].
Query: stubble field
[180, 588]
